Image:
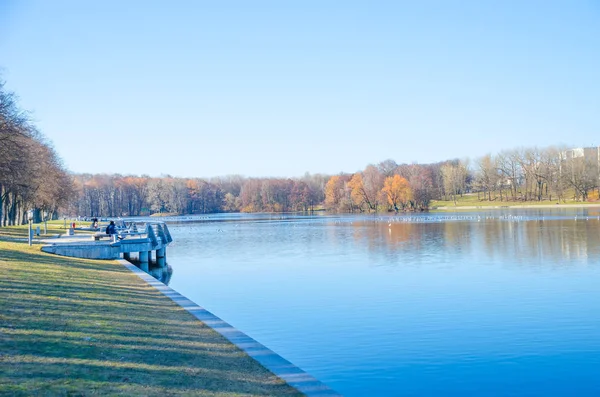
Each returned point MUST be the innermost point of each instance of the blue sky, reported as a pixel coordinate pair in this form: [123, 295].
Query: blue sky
[280, 88]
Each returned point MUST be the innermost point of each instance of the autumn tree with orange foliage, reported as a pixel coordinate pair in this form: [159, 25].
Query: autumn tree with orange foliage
[366, 188]
[398, 191]
[357, 190]
[361, 197]
[338, 194]
[333, 190]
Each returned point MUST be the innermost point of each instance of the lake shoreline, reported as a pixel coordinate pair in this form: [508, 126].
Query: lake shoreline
[294, 376]
[62, 315]
[505, 207]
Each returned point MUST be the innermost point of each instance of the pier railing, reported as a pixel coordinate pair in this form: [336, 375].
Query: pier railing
[157, 232]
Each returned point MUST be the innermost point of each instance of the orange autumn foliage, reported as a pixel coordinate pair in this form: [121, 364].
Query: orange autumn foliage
[397, 191]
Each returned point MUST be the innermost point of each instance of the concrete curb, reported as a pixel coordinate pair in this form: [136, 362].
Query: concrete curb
[294, 376]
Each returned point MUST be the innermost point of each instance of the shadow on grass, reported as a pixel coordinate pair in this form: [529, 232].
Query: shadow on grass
[86, 327]
[9, 233]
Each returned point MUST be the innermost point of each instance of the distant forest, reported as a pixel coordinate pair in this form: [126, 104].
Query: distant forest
[32, 177]
[515, 175]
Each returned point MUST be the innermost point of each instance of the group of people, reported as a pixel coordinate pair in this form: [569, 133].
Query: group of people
[111, 229]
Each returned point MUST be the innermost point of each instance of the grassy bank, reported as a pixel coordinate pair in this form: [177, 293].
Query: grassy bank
[470, 201]
[83, 327]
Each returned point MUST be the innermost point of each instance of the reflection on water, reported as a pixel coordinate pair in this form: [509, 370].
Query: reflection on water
[162, 274]
[498, 303]
[548, 241]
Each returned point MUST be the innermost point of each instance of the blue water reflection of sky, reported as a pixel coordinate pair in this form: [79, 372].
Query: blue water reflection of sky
[486, 304]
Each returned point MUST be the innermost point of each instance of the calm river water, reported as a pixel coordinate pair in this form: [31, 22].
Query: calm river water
[496, 303]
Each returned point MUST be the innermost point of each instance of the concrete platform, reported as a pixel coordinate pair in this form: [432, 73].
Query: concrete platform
[155, 237]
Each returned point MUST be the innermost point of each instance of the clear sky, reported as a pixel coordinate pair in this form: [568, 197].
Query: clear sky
[280, 88]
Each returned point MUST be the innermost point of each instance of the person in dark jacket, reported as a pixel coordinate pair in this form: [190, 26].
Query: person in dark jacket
[111, 228]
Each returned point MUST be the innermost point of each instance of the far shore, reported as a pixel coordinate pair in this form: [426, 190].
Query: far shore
[513, 206]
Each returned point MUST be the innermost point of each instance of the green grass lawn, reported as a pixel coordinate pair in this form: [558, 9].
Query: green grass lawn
[471, 200]
[77, 327]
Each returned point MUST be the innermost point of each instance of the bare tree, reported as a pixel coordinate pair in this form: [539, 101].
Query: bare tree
[387, 168]
[551, 171]
[581, 174]
[510, 168]
[487, 175]
[372, 184]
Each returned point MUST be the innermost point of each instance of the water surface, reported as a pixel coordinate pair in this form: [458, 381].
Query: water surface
[498, 303]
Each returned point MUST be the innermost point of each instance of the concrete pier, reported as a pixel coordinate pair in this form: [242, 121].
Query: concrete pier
[154, 236]
[144, 262]
[161, 257]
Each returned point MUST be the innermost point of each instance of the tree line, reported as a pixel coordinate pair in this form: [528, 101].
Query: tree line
[516, 175]
[386, 186]
[32, 175]
[528, 174]
[117, 195]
